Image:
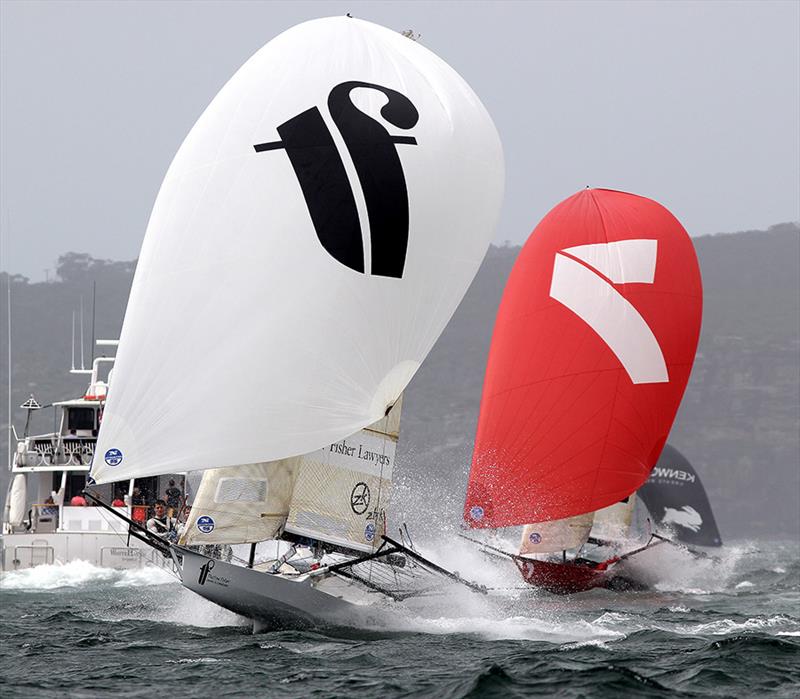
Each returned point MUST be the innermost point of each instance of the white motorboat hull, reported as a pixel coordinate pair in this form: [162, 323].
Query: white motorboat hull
[103, 549]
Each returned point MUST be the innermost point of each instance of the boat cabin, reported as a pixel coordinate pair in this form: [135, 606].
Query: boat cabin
[45, 518]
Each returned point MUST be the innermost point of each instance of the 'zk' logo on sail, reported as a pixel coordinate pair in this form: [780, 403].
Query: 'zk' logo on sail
[582, 280]
[326, 187]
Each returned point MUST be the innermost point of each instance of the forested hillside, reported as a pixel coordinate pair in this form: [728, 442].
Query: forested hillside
[739, 423]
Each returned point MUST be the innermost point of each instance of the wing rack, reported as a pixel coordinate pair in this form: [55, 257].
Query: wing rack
[399, 572]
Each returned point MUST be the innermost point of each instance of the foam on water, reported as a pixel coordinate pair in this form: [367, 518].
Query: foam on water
[77, 574]
[519, 628]
[108, 627]
[597, 629]
[188, 609]
[512, 610]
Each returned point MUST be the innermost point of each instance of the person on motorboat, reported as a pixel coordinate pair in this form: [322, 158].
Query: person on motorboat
[174, 495]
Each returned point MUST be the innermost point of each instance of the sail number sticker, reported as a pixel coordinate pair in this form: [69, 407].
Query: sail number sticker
[476, 513]
[205, 524]
[113, 457]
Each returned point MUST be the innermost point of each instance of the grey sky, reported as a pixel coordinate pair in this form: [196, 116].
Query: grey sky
[694, 104]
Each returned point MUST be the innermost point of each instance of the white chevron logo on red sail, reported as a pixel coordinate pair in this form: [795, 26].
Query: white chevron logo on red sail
[583, 278]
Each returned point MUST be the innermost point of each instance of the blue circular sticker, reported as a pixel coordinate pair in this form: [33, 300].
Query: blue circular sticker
[113, 457]
[369, 532]
[476, 512]
[535, 538]
[205, 524]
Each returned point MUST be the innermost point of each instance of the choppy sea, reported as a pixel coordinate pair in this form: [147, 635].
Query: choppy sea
[712, 628]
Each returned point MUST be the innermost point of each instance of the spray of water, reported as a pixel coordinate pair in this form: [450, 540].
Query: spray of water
[77, 574]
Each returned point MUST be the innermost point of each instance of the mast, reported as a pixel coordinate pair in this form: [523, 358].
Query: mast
[94, 314]
[8, 316]
[83, 364]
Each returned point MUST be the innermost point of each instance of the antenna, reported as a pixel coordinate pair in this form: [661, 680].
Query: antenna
[83, 365]
[8, 310]
[94, 313]
[4, 256]
[73, 341]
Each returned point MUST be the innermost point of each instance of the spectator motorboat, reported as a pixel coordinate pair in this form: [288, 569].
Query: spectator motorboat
[44, 519]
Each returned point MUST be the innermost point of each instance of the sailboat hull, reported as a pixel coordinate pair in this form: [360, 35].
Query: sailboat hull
[561, 578]
[571, 577]
[275, 601]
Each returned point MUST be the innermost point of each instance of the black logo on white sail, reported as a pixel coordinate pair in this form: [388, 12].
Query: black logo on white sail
[359, 498]
[327, 189]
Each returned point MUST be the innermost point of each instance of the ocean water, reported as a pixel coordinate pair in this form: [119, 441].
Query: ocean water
[725, 628]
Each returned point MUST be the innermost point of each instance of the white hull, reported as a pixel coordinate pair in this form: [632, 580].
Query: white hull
[278, 601]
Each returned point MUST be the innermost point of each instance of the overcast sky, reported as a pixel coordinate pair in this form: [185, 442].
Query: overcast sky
[695, 104]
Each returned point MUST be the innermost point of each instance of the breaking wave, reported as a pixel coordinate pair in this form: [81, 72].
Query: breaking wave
[76, 574]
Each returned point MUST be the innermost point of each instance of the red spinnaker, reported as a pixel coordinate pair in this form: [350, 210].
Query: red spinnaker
[592, 350]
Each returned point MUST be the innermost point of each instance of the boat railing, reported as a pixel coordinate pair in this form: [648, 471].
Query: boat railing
[55, 451]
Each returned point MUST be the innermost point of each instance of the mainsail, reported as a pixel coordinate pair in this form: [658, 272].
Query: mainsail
[592, 349]
[343, 490]
[310, 241]
[676, 499]
[337, 494]
[613, 523]
[241, 504]
[557, 535]
[610, 524]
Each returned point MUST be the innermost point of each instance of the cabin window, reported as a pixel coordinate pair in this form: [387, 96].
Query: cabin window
[241, 490]
[80, 419]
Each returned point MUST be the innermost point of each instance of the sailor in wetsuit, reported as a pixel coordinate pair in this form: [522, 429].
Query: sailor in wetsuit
[160, 523]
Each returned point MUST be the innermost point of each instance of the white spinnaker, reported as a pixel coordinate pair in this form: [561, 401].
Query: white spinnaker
[342, 491]
[244, 340]
[241, 504]
[556, 535]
